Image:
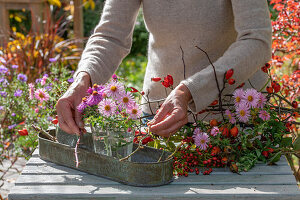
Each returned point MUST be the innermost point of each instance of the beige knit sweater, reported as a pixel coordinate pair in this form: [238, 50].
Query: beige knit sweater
[235, 34]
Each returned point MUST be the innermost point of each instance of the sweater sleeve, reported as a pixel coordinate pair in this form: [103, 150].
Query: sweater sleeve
[250, 51]
[111, 40]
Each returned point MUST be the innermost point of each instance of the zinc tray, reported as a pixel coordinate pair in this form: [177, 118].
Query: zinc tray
[142, 170]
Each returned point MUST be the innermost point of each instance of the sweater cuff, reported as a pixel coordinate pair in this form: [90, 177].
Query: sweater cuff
[203, 88]
[96, 76]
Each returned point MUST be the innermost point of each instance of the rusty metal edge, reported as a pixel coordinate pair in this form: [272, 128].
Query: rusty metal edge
[165, 179]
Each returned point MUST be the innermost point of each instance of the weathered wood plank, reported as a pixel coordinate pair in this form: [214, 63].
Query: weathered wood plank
[58, 169]
[87, 179]
[45, 180]
[165, 192]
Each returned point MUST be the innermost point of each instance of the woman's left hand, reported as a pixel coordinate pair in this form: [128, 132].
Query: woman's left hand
[173, 113]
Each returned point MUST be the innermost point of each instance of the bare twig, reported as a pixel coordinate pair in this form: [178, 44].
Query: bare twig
[182, 57]
[216, 78]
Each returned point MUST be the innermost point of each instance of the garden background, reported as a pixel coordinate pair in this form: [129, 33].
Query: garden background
[36, 68]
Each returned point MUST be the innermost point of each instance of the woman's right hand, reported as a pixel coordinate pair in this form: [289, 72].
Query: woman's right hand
[70, 120]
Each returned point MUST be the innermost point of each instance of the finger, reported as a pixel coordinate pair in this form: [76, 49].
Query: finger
[67, 117]
[78, 119]
[163, 111]
[61, 122]
[168, 122]
[64, 126]
[173, 129]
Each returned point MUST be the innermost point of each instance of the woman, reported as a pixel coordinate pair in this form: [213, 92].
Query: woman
[235, 34]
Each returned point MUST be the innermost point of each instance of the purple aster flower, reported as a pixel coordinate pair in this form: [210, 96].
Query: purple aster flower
[22, 77]
[201, 139]
[115, 77]
[261, 100]
[3, 93]
[114, 89]
[38, 80]
[230, 116]
[98, 88]
[12, 126]
[251, 97]
[72, 72]
[13, 114]
[90, 90]
[243, 112]
[4, 82]
[49, 118]
[15, 66]
[215, 131]
[18, 93]
[264, 115]
[94, 99]
[82, 105]
[1, 107]
[3, 69]
[107, 107]
[238, 95]
[134, 111]
[52, 59]
[31, 90]
[70, 80]
[48, 88]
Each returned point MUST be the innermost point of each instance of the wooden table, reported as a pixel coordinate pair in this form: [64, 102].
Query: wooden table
[45, 180]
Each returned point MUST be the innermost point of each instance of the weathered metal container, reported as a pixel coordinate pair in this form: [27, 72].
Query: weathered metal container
[142, 170]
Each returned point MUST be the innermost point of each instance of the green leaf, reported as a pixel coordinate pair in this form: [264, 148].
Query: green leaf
[258, 153]
[286, 142]
[296, 144]
[275, 158]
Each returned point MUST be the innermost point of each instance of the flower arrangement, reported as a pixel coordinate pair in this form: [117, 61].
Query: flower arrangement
[112, 112]
[110, 106]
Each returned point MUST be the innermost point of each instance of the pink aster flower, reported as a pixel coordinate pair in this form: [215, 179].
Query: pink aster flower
[94, 99]
[251, 97]
[31, 90]
[127, 100]
[215, 131]
[42, 95]
[261, 100]
[238, 95]
[44, 79]
[243, 112]
[201, 139]
[230, 116]
[114, 89]
[264, 115]
[134, 111]
[82, 105]
[107, 107]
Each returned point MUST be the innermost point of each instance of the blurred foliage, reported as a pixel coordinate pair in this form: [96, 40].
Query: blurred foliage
[91, 18]
[132, 69]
